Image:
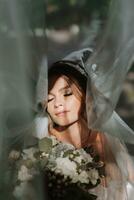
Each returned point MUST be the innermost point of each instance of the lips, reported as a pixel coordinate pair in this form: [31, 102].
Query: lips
[61, 113]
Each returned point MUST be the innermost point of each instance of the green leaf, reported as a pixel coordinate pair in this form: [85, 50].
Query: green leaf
[43, 163]
[45, 145]
[68, 152]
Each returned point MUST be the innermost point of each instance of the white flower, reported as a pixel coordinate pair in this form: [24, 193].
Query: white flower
[71, 156]
[93, 175]
[78, 159]
[66, 166]
[85, 155]
[62, 154]
[83, 177]
[29, 153]
[23, 174]
[75, 178]
[44, 154]
[58, 171]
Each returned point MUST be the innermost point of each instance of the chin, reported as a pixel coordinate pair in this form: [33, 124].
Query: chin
[63, 124]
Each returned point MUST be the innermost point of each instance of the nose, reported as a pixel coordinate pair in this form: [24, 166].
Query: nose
[58, 102]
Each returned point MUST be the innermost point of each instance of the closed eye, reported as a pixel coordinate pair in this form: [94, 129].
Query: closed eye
[68, 94]
[50, 99]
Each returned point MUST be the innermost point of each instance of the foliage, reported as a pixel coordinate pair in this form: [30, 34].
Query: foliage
[64, 168]
[63, 13]
[54, 13]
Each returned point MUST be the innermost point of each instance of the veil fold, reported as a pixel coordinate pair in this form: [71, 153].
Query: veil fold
[107, 66]
[100, 105]
[104, 86]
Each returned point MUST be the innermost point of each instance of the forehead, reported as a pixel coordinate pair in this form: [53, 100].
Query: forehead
[57, 83]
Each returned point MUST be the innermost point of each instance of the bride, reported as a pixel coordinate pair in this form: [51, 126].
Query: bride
[69, 108]
[81, 99]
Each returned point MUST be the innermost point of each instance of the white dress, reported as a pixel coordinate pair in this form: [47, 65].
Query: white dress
[119, 181]
[119, 171]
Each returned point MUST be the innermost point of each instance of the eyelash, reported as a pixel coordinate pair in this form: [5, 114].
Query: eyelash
[68, 94]
[65, 95]
[49, 100]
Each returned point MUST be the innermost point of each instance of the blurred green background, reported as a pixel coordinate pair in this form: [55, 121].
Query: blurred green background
[57, 27]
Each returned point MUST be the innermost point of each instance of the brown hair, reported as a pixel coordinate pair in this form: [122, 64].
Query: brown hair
[74, 79]
[67, 69]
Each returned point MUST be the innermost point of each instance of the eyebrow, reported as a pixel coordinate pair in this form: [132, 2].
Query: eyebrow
[61, 89]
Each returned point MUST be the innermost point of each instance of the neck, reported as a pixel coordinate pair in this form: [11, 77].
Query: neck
[75, 133]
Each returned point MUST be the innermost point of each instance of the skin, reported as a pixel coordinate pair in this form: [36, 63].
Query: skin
[63, 106]
[64, 109]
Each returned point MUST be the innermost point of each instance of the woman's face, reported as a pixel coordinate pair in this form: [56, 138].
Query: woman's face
[63, 106]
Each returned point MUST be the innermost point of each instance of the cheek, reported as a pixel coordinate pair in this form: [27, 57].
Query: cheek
[49, 109]
[78, 108]
[75, 104]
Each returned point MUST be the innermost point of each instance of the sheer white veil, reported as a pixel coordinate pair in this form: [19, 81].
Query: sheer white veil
[100, 106]
[100, 111]
[107, 67]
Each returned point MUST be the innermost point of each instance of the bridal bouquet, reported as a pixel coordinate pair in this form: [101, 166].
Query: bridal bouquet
[65, 169]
